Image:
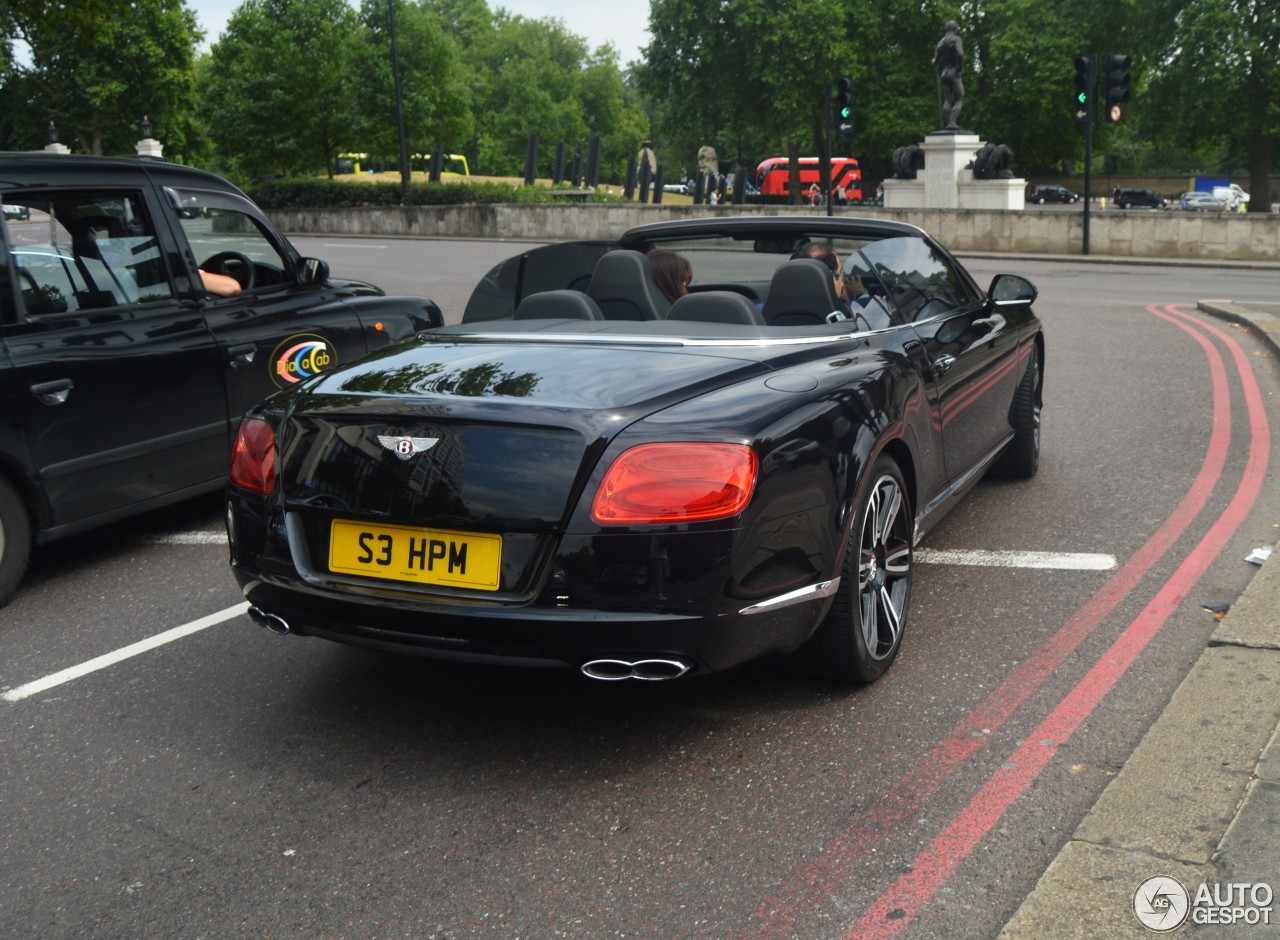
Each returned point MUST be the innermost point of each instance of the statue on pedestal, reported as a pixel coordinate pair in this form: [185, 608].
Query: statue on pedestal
[948, 59]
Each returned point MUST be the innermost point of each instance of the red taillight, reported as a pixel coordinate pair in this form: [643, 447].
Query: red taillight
[655, 484]
[253, 459]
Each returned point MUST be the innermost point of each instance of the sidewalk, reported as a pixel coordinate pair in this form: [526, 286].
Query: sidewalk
[1199, 799]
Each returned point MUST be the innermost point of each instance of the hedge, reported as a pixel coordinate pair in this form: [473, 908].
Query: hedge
[330, 194]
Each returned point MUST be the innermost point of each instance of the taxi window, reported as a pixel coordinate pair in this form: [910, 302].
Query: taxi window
[224, 229]
[82, 251]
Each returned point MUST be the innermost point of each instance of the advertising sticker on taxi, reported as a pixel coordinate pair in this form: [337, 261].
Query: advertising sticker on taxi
[422, 556]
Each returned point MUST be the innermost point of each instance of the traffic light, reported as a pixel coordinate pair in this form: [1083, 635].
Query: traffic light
[1117, 86]
[1084, 88]
[844, 104]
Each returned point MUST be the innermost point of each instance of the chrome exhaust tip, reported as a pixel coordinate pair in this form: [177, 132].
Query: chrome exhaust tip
[272, 622]
[646, 670]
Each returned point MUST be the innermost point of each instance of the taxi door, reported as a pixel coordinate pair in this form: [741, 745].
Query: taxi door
[114, 383]
[282, 326]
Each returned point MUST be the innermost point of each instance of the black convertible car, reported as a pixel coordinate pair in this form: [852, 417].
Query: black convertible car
[583, 474]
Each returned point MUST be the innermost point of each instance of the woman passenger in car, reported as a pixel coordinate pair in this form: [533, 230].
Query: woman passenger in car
[671, 273]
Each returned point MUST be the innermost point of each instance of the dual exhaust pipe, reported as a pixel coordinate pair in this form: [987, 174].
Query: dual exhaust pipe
[604, 670]
[646, 670]
[272, 622]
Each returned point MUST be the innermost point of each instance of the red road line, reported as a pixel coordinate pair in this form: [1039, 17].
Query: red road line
[894, 909]
[833, 867]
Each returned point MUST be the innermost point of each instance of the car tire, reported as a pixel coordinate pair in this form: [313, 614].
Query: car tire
[1124, 205]
[15, 541]
[1041, 200]
[860, 636]
[1021, 459]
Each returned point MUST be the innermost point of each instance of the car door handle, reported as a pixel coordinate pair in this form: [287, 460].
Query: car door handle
[943, 364]
[53, 393]
[241, 355]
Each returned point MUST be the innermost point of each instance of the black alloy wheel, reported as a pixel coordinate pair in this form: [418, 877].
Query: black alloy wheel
[862, 633]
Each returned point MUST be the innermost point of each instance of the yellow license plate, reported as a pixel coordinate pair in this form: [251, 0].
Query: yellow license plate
[422, 556]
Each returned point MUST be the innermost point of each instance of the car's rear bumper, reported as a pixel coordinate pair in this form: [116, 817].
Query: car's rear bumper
[536, 636]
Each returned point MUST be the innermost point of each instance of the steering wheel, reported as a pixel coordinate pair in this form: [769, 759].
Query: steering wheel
[233, 264]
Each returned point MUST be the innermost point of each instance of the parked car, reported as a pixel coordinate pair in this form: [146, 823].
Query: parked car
[1127, 198]
[1202, 202]
[17, 213]
[1047, 192]
[599, 480]
[125, 379]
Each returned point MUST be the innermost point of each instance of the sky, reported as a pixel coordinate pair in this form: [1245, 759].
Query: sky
[626, 25]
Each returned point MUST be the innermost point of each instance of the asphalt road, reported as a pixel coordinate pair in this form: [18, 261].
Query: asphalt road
[231, 783]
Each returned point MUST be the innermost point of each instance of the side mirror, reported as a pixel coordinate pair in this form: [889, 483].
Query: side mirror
[313, 271]
[1008, 290]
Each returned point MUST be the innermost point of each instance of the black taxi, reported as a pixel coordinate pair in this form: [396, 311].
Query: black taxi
[123, 373]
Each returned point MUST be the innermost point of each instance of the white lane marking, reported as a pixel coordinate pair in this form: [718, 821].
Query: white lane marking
[125, 652]
[188, 538]
[1063, 561]
[355, 245]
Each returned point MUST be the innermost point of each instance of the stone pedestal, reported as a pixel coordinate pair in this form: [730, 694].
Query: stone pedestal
[945, 183]
[150, 147]
[56, 148]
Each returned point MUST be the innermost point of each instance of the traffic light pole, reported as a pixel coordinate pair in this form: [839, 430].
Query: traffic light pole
[825, 172]
[1086, 87]
[1088, 172]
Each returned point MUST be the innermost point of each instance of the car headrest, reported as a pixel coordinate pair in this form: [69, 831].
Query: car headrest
[802, 291]
[622, 285]
[716, 306]
[98, 226]
[558, 304]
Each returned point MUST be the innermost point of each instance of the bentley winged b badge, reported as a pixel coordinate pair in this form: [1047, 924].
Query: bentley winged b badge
[406, 447]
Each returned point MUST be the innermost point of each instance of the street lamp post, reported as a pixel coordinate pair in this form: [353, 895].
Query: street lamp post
[395, 74]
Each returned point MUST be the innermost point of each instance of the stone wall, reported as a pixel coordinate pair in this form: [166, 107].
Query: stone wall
[1112, 232]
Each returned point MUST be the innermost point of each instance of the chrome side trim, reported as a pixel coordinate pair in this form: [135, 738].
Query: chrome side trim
[813, 592]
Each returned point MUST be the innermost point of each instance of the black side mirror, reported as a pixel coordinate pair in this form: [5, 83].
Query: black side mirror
[313, 271]
[1012, 290]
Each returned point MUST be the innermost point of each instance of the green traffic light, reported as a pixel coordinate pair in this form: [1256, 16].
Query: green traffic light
[844, 112]
[1082, 97]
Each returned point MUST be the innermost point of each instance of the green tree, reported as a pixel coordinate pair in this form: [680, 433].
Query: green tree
[1217, 78]
[752, 77]
[280, 90]
[437, 108]
[535, 76]
[96, 69]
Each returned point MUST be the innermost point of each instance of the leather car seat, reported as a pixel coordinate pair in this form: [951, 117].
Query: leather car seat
[716, 306]
[622, 285]
[801, 292]
[558, 304]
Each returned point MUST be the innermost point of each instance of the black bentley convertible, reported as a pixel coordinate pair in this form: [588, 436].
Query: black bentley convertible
[584, 474]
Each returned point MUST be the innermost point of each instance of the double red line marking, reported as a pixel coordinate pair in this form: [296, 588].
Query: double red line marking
[898, 906]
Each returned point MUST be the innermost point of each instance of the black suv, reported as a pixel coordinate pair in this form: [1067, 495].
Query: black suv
[1047, 192]
[1127, 198]
[124, 379]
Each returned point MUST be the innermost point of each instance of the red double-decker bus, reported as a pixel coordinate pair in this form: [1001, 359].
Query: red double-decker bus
[773, 175]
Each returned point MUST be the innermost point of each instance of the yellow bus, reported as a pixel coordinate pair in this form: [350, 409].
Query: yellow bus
[454, 165]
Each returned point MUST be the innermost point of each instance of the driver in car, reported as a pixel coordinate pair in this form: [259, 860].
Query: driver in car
[219, 284]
